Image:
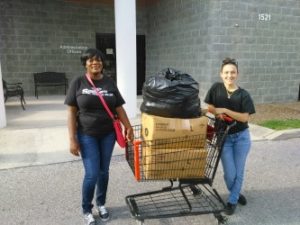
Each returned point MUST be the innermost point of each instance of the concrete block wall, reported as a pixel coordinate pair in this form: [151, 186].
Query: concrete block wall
[189, 35]
[40, 35]
[178, 37]
[194, 36]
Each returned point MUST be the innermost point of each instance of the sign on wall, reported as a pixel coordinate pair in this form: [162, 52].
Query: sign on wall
[73, 49]
[264, 17]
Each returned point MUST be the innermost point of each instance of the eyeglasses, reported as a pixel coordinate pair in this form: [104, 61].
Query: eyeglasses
[229, 61]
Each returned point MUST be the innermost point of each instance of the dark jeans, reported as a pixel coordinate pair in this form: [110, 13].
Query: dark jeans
[96, 155]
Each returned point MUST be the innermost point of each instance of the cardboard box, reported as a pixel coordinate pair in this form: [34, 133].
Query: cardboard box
[173, 163]
[156, 127]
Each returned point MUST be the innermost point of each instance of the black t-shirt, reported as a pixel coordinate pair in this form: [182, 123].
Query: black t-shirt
[92, 118]
[239, 101]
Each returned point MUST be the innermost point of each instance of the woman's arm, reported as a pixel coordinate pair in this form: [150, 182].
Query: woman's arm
[241, 117]
[72, 127]
[125, 121]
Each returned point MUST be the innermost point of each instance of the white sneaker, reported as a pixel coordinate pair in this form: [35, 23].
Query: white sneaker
[103, 213]
[89, 219]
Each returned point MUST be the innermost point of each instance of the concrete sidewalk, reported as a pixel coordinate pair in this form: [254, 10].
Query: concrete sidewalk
[39, 135]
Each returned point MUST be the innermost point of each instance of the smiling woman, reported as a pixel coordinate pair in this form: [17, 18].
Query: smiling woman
[91, 130]
[230, 99]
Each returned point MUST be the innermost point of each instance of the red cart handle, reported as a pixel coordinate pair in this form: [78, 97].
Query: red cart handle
[227, 118]
[224, 116]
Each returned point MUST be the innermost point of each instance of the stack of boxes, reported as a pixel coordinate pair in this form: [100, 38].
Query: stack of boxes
[173, 148]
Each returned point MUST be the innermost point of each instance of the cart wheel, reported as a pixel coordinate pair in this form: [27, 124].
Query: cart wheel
[221, 219]
[195, 190]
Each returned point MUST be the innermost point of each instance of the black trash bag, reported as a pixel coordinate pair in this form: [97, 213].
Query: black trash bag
[172, 94]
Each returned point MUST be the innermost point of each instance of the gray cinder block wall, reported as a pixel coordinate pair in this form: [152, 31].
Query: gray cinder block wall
[189, 35]
[263, 35]
[41, 35]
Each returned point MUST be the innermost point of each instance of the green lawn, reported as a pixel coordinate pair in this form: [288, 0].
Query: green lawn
[281, 124]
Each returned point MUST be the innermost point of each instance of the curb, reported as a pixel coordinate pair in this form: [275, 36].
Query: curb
[259, 133]
[284, 134]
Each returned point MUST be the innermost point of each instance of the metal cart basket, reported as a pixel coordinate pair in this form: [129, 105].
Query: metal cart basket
[190, 161]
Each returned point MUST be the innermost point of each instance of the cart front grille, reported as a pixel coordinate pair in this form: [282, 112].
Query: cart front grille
[175, 202]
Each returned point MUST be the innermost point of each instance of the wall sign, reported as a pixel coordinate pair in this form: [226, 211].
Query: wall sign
[73, 49]
[264, 17]
[109, 51]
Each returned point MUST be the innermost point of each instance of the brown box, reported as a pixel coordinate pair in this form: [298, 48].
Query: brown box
[156, 127]
[173, 163]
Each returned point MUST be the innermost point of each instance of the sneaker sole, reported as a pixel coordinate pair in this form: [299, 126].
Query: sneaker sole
[104, 219]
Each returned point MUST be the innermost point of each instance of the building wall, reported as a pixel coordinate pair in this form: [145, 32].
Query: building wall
[178, 37]
[190, 35]
[263, 35]
[41, 35]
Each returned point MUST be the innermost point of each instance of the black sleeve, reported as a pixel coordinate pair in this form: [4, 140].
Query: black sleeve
[247, 103]
[71, 99]
[210, 96]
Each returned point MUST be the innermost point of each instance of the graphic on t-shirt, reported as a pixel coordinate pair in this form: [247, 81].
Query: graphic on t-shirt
[87, 91]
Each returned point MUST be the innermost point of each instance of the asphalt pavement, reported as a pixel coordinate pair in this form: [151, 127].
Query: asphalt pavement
[41, 182]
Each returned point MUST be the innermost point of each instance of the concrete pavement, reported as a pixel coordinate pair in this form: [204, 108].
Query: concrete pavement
[38, 135]
[41, 182]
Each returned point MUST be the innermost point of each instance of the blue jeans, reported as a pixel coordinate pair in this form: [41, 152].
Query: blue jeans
[96, 155]
[234, 155]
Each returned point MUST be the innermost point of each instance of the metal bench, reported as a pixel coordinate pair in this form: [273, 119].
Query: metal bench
[49, 79]
[13, 90]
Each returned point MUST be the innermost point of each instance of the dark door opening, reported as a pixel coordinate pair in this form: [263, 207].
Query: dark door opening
[141, 62]
[107, 44]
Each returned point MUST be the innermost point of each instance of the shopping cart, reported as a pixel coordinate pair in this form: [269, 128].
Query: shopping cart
[190, 162]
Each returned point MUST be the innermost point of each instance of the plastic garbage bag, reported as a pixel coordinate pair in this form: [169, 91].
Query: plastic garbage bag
[171, 93]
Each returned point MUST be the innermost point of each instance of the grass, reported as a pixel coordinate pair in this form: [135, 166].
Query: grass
[281, 124]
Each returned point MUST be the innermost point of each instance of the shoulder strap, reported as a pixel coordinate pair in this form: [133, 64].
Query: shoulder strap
[100, 97]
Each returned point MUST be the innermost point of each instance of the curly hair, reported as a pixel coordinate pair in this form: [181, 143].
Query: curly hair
[90, 53]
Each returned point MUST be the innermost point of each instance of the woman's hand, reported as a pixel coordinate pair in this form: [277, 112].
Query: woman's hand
[74, 147]
[125, 121]
[218, 112]
[129, 134]
[221, 113]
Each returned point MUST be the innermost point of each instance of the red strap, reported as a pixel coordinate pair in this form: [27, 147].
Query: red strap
[100, 97]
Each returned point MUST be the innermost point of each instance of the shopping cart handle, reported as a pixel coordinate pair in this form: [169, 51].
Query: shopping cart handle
[227, 118]
[229, 121]
[222, 116]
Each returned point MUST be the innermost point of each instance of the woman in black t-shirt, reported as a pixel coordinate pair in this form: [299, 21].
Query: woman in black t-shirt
[230, 99]
[91, 130]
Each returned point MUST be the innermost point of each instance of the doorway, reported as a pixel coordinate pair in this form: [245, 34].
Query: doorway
[107, 44]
